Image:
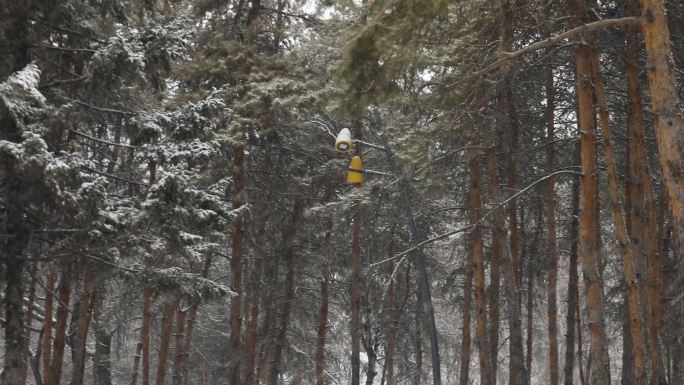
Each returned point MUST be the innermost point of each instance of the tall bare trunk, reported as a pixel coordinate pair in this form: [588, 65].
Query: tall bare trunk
[418, 368]
[187, 344]
[550, 210]
[464, 377]
[588, 226]
[165, 342]
[145, 336]
[289, 232]
[48, 325]
[239, 198]
[498, 240]
[84, 316]
[477, 257]
[61, 324]
[628, 370]
[667, 109]
[323, 313]
[518, 370]
[255, 291]
[29, 322]
[179, 354]
[633, 296]
[573, 287]
[356, 283]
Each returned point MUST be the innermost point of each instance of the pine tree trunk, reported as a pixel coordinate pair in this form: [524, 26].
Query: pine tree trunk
[530, 318]
[147, 304]
[518, 370]
[48, 325]
[588, 226]
[102, 363]
[80, 340]
[145, 336]
[418, 369]
[29, 322]
[498, 240]
[61, 324]
[642, 210]
[323, 313]
[255, 290]
[669, 126]
[239, 198]
[477, 257]
[178, 358]
[630, 270]
[573, 287]
[464, 377]
[14, 312]
[628, 369]
[165, 342]
[550, 211]
[289, 232]
[356, 283]
[191, 325]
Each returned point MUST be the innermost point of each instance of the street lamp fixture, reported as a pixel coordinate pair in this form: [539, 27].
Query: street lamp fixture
[355, 171]
[355, 176]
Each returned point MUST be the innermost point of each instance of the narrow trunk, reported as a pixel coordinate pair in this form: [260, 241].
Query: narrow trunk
[570, 324]
[580, 349]
[239, 198]
[289, 232]
[371, 353]
[550, 210]
[48, 325]
[418, 370]
[477, 257]
[178, 357]
[588, 226]
[498, 240]
[14, 313]
[356, 283]
[255, 290]
[530, 318]
[136, 363]
[80, 340]
[628, 370]
[61, 325]
[323, 313]
[187, 344]
[464, 377]
[145, 336]
[518, 375]
[29, 322]
[165, 342]
[102, 364]
[633, 296]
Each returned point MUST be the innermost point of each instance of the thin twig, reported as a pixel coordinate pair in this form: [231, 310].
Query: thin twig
[101, 140]
[115, 177]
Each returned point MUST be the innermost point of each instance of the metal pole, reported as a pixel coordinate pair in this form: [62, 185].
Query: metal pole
[420, 263]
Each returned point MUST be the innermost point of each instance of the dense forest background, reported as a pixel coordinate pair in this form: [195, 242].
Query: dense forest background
[174, 212]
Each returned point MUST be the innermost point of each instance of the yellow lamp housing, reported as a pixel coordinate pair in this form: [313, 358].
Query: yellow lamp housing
[343, 143]
[355, 172]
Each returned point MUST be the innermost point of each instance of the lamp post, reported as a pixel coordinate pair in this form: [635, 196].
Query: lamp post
[424, 282]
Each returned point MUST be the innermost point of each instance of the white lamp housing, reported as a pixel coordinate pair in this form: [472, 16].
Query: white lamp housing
[343, 143]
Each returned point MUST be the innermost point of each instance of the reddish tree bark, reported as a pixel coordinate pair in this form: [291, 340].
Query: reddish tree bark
[289, 232]
[61, 324]
[48, 325]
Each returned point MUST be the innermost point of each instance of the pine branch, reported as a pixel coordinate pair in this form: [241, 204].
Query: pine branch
[508, 57]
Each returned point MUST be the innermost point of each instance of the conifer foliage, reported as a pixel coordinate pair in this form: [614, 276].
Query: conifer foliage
[172, 209]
